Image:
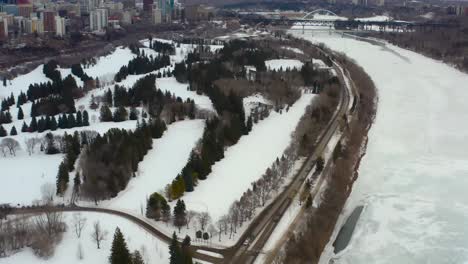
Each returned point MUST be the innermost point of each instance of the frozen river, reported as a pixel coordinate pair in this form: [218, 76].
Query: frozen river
[413, 180]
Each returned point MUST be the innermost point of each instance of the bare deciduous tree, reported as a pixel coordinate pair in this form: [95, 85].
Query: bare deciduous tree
[190, 215]
[11, 144]
[79, 252]
[203, 219]
[98, 234]
[31, 144]
[79, 222]
[48, 192]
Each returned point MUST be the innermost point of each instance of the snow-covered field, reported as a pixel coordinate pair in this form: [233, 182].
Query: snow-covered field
[381, 18]
[160, 166]
[180, 89]
[283, 64]
[137, 238]
[412, 180]
[246, 161]
[107, 66]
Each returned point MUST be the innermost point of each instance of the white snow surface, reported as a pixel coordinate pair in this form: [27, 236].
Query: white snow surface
[107, 66]
[160, 166]
[156, 251]
[283, 64]
[22, 82]
[180, 89]
[412, 181]
[296, 50]
[326, 17]
[246, 161]
[374, 19]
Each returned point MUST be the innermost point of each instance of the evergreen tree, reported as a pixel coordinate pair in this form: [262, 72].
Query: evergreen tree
[71, 121]
[186, 253]
[69, 85]
[4, 81]
[62, 179]
[77, 182]
[137, 258]
[133, 114]
[79, 119]
[20, 114]
[13, 131]
[179, 214]
[53, 124]
[24, 128]
[119, 250]
[175, 251]
[3, 132]
[105, 114]
[34, 112]
[41, 125]
[85, 118]
[249, 124]
[33, 125]
[120, 114]
[108, 97]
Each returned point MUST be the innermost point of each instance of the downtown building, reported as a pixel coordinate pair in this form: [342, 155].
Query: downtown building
[60, 26]
[98, 19]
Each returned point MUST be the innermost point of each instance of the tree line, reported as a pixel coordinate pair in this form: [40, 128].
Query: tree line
[142, 64]
[111, 160]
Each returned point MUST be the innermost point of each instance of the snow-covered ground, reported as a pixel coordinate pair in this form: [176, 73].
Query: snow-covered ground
[160, 166]
[296, 50]
[381, 18]
[137, 238]
[107, 66]
[22, 82]
[326, 17]
[283, 64]
[180, 89]
[246, 161]
[412, 180]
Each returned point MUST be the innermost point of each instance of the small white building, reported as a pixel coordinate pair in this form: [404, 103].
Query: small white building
[59, 26]
[250, 72]
[157, 16]
[98, 19]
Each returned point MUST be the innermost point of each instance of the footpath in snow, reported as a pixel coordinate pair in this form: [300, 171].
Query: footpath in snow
[246, 161]
[413, 179]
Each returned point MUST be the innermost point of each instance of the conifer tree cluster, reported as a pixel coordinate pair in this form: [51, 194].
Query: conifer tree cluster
[162, 47]
[77, 70]
[180, 253]
[51, 72]
[142, 64]
[3, 132]
[51, 123]
[5, 117]
[7, 102]
[22, 99]
[111, 160]
[157, 207]
[120, 254]
[72, 149]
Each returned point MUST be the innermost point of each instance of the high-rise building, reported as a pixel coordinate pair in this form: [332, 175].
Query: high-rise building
[3, 28]
[10, 9]
[98, 19]
[59, 26]
[25, 10]
[48, 20]
[157, 16]
[147, 5]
